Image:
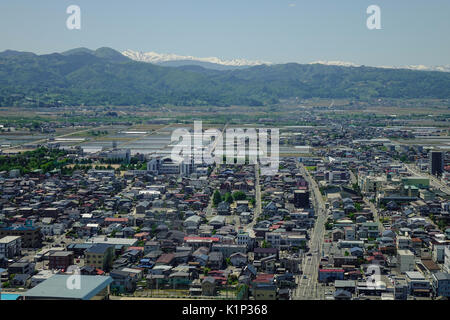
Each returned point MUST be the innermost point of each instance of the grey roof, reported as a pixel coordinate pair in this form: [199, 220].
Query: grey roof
[56, 287]
[440, 276]
[98, 248]
[344, 283]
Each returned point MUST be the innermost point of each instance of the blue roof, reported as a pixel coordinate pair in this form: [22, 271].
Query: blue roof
[56, 287]
[79, 245]
[19, 228]
[9, 296]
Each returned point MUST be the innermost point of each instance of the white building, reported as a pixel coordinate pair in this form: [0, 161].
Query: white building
[121, 155]
[274, 238]
[168, 166]
[438, 253]
[10, 246]
[447, 259]
[417, 284]
[371, 183]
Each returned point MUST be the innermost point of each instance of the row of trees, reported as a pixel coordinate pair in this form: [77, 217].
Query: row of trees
[228, 197]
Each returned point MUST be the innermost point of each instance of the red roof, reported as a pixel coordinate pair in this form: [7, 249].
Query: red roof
[200, 195]
[331, 270]
[136, 248]
[116, 219]
[141, 234]
[264, 277]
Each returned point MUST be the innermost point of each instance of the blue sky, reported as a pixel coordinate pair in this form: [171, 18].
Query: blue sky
[413, 31]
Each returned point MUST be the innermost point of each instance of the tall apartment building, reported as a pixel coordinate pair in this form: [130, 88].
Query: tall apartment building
[436, 165]
[301, 199]
[405, 260]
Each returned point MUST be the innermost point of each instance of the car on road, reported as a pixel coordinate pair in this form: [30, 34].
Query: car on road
[305, 277]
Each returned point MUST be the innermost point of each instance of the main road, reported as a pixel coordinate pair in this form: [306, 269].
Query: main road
[209, 209]
[258, 207]
[308, 287]
[434, 182]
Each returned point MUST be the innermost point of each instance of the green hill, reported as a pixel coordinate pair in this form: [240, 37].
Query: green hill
[104, 76]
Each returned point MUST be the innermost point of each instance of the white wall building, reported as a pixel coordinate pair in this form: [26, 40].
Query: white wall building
[405, 260]
[10, 246]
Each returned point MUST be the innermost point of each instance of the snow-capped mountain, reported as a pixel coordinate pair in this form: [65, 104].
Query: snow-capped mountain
[336, 63]
[217, 63]
[158, 58]
[444, 68]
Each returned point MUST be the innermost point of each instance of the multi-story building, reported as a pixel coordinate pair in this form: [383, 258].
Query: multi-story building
[31, 237]
[438, 253]
[121, 155]
[436, 165]
[301, 199]
[99, 256]
[403, 242]
[417, 284]
[168, 166]
[10, 246]
[447, 259]
[274, 238]
[60, 260]
[243, 238]
[441, 284]
[405, 260]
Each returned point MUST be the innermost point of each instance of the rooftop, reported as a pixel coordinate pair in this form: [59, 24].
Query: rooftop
[9, 239]
[56, 287]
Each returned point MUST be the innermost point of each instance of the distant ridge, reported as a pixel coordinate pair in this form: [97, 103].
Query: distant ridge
[104, 53]
[175, 60]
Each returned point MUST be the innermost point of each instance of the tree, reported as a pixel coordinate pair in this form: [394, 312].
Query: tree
[217, 198]
[265, 244]
[228, 198]
[239, 195]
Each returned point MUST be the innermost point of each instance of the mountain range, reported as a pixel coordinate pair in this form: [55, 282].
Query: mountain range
[107, 77]
[220, 64]
[178, 60]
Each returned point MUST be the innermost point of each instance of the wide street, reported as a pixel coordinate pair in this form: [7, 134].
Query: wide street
[434, 182]
[308, 287]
